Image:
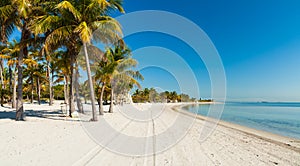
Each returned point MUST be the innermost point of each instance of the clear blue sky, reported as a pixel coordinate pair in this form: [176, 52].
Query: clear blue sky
[258, 41]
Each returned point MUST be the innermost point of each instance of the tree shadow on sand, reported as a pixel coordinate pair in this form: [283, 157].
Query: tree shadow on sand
[54, 115]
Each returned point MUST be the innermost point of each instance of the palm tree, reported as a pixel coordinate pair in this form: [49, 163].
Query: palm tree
[10, 53]
[85, 29]
[36, 74]
[50, 79]
[77, 20]
[2, 85]
[60, 70]
[84, 91]
[120, 71]
[56, 67]
[28, 73]
[173, 96]
[41, 79]
[19, 13]
[4, 92]
[103, 75]
[6, 29]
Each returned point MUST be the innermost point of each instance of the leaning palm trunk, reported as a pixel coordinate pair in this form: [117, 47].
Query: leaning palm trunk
[78, 101]
[1, 74]
[66, 89]
[2, 84]
[2, 96]
[50, 85]
[71, 89]
[52, 88]
[101, 111]
[10, 83]
[94, 118]
[14, 90]
[111, 110]
[32, 86]
[38, 90]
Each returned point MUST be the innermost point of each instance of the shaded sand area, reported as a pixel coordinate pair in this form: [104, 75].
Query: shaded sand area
[131, 136]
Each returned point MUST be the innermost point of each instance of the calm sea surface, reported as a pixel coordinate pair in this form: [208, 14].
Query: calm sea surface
[277, 118]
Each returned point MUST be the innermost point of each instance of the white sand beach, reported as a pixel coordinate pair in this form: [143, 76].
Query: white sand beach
[48, 138]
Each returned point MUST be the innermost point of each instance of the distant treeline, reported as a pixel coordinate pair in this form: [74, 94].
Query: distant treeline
[151, 95]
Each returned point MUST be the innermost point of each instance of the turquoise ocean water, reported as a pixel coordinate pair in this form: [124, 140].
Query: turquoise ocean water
[277, 118]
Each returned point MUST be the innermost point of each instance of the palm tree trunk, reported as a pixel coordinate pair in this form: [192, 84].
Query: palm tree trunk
[2, 96]
[50, 84]
[32, 86]
[85, 100]
[1, 73]
[14, 90]
[78, 101]
[101, 111]
[2, 83]
[111, 100]
[90, 82]
[23, 52]
[66, 89]
[10, 83]
[38, 90]
[52, 88]
[71, 89]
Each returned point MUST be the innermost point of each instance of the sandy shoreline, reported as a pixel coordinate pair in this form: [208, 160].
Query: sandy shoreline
[54, 140]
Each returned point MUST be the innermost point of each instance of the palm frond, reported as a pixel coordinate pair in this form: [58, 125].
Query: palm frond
[30, 62]
[66, 5]
[134, 74]
[3, 56]
[127, 63]
[12, 62]
[102, 4]
[6, 11]
[45, 23]
[23, 7]
[117, 4]
[107, 30]
[84, 31]
[58, 35]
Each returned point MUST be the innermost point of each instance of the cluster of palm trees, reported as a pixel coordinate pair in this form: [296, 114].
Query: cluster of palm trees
[151, 95]
[56, 39]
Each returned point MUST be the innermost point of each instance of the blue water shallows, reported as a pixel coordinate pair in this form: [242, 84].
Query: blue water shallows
[277, 118]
